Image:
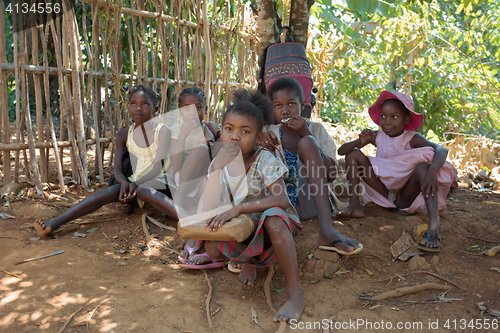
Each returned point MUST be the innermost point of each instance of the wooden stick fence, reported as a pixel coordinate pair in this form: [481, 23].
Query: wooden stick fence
[78, 70]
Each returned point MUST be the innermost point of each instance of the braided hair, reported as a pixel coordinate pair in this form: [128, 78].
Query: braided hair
[154, 97]
[192, 91]
[253, 105]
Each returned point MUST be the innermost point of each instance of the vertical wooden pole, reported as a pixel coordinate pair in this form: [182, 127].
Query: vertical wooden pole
[50, 124]
[15, 36]
[77, 98]
[208, 56]
[4, 105]
[38, 99]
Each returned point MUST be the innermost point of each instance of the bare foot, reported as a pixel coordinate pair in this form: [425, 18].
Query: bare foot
[248, 274]
[293, 308]
[188, 250]
[351, 211]
[339, 241]
[41, 229]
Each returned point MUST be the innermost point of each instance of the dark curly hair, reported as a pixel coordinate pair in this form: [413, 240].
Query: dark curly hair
[154, 97]
[286, 82]
[192, 91]
[253, 105]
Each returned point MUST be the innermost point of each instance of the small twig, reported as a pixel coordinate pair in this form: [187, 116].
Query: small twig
[209, 298]
[398, 292]
[69, 319]
[267, 287]
[437, 276]
[90, 317]
[7, 237]
[169, 247]
[17, 276]
[374, 255]
[215, 312]
[145, 228]
[485, 240]
[422, 272]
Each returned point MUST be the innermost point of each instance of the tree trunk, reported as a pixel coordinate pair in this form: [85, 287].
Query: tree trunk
[299, 19]
[268, 30]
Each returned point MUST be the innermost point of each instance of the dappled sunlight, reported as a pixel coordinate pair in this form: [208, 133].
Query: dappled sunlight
[10, 297]
[65, 299]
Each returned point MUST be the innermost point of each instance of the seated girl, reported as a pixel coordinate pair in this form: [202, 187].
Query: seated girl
[310, 155]
[149, 159]
[276, 219]
[409, 172]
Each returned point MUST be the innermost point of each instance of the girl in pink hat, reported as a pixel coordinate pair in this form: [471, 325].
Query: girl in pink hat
[409, 172]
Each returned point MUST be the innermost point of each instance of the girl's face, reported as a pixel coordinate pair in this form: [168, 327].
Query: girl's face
[141, 107]
[286, 104]
[240, 130]
[197, 101]
[393, 118]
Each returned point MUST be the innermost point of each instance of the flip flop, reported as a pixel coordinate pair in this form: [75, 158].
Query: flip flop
[190, 251]
[348, 241]
[427, 239]
[214, 264]
[232, 268]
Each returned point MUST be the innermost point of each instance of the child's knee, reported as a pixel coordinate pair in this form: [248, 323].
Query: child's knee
[308, 142]
[421, 168]
[274, 224]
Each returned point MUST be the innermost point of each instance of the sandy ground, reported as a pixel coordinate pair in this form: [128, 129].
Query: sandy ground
[143, 290]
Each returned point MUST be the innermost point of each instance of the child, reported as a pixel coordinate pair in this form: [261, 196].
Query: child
[276, 219]
[309, 153]
[149, 158]
[188, 153]
[408, 172]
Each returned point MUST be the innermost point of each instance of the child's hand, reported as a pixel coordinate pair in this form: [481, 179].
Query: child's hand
[123, 191]
[269, 141]
[299, 125]
[366, 136]
[225, 155]
[217, 221]
[187, 127]
[132, 191]
[430, 183]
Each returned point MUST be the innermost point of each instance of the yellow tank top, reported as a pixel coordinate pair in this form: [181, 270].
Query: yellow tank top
[145, 156]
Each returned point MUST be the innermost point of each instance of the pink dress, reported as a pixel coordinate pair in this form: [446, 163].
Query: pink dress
[395, 162]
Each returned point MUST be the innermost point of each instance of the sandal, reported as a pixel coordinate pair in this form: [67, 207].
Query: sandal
[427, 239]
[349, 242]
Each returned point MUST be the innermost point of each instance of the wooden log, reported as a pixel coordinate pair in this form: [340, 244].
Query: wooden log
[23, 59]
[7, 67]
[4, 107]
[46, 145]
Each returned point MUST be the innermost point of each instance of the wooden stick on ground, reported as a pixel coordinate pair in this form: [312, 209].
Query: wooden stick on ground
[485, 240]
[398, 292]
[282, 327]
[424, 272]
[209, 298]
[267, 287]
[90, 317]
[69, 319]
[145, 228]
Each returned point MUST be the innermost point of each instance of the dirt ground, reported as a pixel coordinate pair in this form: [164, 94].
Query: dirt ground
[120, 286]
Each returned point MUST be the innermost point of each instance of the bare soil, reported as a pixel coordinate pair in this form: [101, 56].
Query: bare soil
[143, 290]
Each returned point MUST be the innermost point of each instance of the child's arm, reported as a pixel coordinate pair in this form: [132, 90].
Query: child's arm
[121, 141]
[365, 137]
[177, 145]
[159, 160]
[430, 183]
[277, 198]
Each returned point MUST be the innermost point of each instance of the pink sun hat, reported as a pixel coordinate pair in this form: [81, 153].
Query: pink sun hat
[416, 118]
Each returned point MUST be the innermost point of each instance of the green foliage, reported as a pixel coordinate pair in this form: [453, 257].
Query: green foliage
[450, 49]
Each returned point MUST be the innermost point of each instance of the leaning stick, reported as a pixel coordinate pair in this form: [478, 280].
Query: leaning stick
[17, 276]
[145, 228]
[209, 298]
[45, 256]
[69, 319]
[398, 292]
[267, 287]
[159, 224]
